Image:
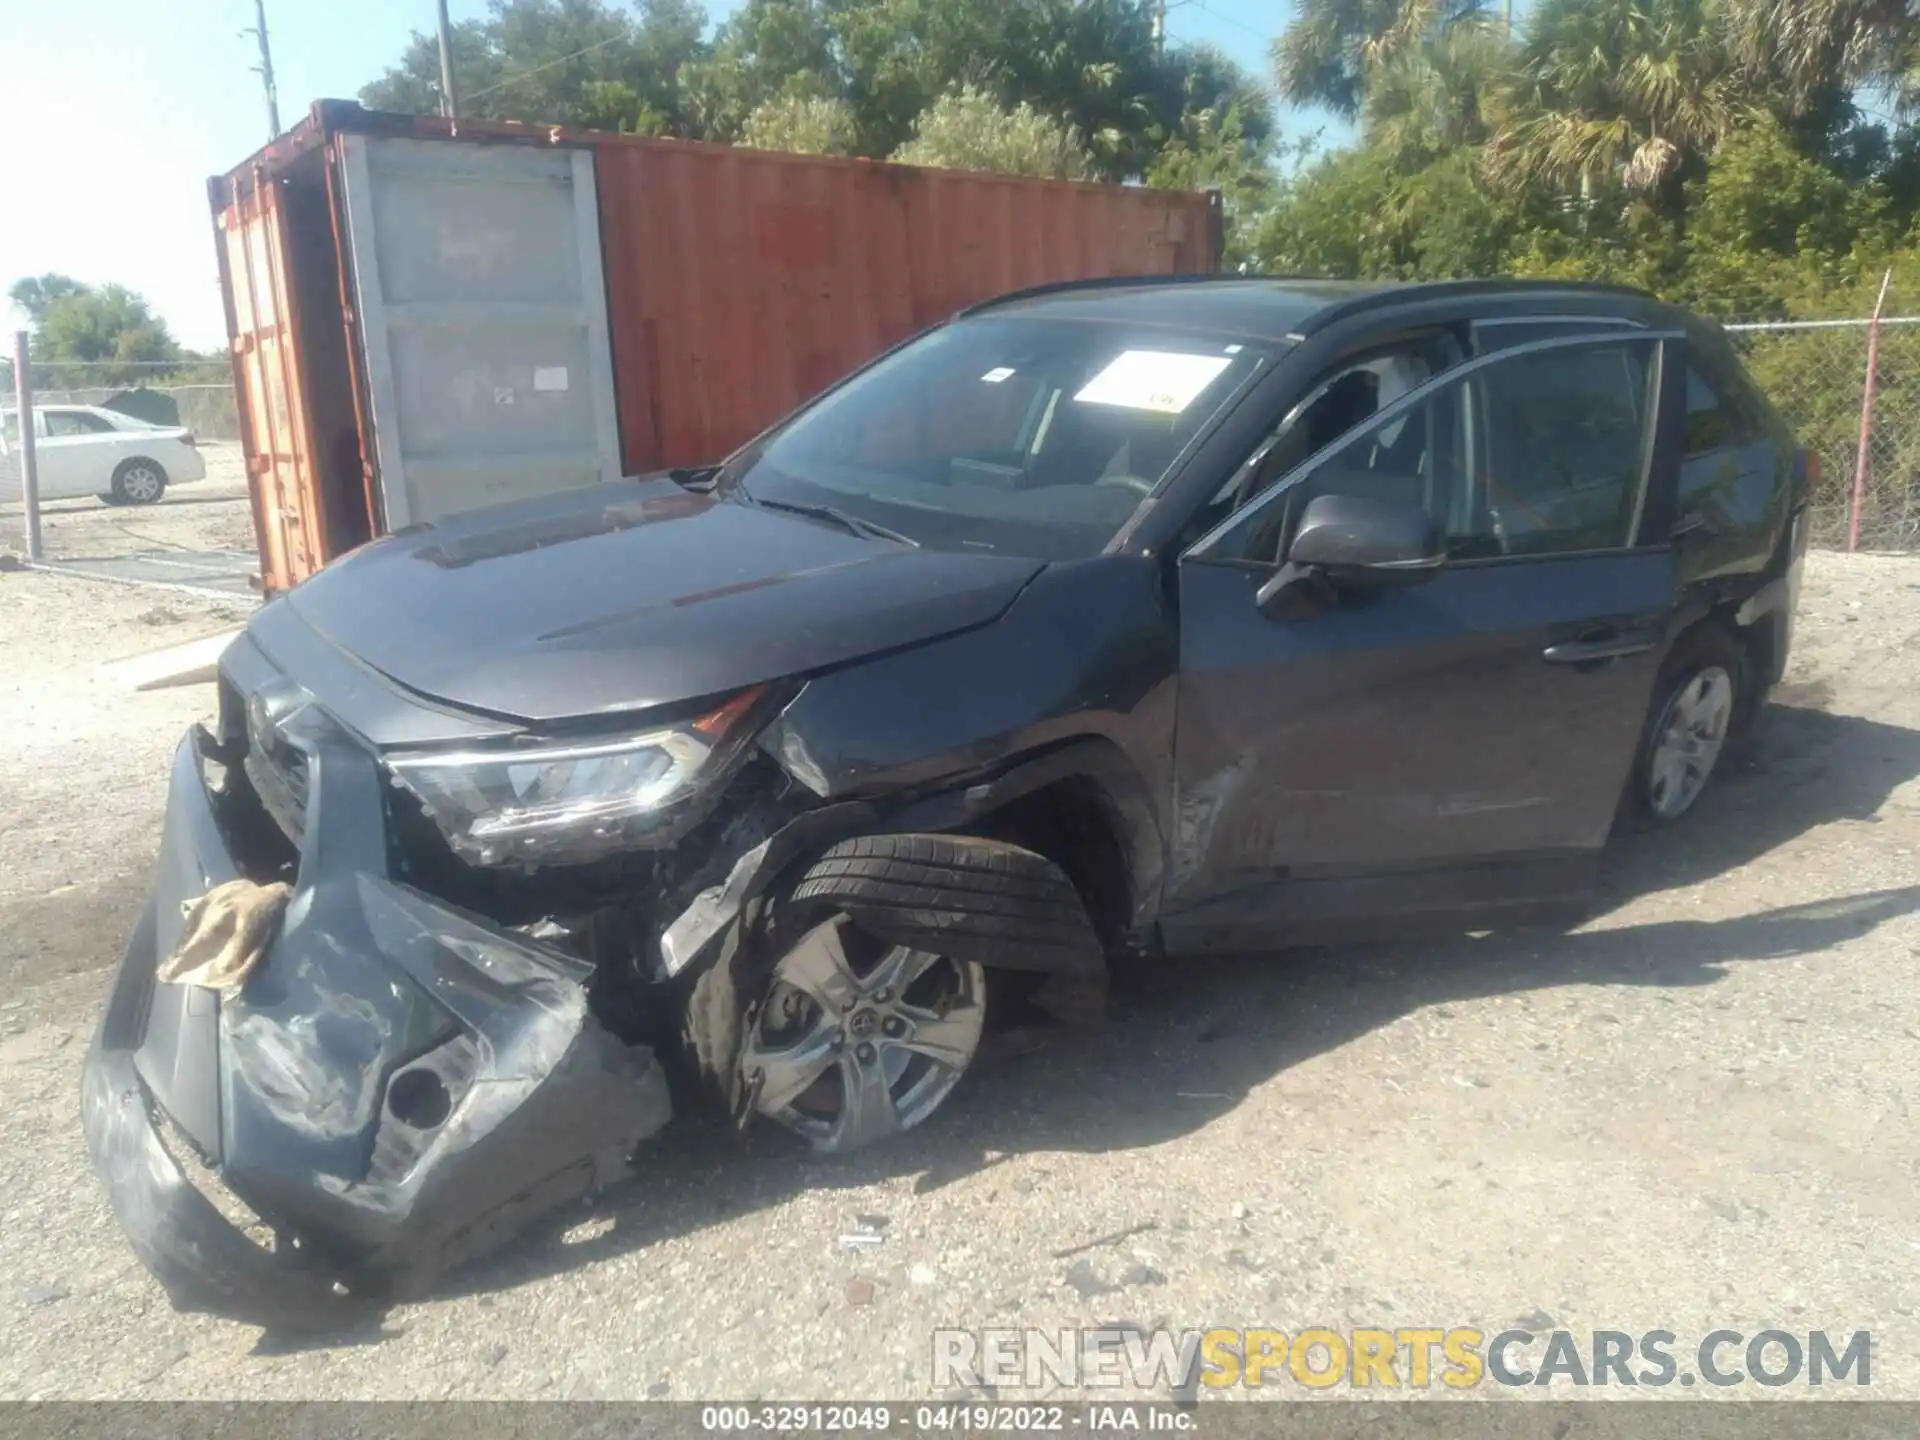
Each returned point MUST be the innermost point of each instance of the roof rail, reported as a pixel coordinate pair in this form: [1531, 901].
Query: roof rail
[1115, 282]
[1338, 310]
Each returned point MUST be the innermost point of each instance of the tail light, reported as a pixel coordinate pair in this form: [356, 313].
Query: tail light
[1810, 467]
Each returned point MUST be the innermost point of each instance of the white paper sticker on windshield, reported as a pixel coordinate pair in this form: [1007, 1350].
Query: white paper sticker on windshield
[1157, 380]
[997, 374]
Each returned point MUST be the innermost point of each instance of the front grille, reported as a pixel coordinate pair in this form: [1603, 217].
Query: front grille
[276, 769]
[279, 776]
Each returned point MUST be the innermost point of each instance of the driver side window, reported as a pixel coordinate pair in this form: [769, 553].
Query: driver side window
[1414, 455]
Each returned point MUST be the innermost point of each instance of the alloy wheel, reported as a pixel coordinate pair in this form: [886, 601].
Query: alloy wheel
[1688, 739]
[140, 483]
[858, 1039]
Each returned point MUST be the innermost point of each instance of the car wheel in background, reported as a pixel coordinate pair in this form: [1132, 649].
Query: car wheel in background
[138, 482]
[1696, 702]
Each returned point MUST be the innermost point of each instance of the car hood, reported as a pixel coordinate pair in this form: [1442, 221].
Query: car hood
[629, 595]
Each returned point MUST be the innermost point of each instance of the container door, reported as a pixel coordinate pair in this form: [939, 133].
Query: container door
[483, 318]
[276, 432]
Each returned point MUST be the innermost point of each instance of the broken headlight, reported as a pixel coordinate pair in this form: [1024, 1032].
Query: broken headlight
[566, 803]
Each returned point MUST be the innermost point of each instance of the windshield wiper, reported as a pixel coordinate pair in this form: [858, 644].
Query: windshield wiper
[857, 524]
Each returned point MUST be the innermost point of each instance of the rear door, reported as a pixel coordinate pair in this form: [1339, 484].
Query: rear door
[482, 315]
[1446, 752]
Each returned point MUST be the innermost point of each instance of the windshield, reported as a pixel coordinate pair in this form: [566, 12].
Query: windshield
[1038, 437]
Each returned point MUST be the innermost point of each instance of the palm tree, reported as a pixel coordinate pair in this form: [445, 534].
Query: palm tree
[1631, 90]
[1440, 95]
[1809, 50]
[1331, 48]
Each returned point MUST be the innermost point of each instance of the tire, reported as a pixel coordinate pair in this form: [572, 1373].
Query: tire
[902, 890]
[1698, 703]
[138, 481]
[920, 881]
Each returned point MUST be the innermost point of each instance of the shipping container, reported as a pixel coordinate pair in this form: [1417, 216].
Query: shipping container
[428, 315]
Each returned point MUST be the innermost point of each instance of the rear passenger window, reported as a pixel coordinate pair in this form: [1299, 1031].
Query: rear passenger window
[1715, 423]
[75, 422]
[1563, 453]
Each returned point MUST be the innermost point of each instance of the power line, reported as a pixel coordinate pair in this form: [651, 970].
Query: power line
[1229, 20]
[529, 74]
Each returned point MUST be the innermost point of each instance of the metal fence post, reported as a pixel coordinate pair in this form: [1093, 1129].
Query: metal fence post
[1863, 455]
[29, 461]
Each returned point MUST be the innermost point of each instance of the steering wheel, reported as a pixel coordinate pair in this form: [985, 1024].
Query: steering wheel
[1126, 482]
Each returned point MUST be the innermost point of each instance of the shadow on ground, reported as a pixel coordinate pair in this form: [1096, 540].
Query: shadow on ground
[1186, 1045]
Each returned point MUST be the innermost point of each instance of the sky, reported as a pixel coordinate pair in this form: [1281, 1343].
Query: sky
[121, 109]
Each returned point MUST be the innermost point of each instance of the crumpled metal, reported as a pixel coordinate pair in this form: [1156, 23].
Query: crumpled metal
[225, 935]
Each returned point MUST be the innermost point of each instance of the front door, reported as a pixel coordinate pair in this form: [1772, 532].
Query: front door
[1390, 759]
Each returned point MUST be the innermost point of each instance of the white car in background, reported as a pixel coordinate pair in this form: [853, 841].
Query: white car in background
[88, 450]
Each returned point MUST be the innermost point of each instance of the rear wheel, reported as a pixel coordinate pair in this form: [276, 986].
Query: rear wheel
[138, 482]
[1695, 704]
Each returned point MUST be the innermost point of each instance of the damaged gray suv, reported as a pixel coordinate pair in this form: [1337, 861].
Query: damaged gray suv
[1162, 616]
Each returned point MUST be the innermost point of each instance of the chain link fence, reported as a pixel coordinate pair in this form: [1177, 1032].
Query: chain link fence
[195, 393]
[1817, 375]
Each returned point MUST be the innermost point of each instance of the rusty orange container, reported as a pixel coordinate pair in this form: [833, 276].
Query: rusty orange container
[422, 320]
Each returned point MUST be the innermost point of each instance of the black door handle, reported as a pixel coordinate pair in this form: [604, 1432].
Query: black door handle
[1598, 646]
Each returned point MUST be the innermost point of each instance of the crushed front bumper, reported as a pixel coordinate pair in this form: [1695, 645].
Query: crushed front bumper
[399, 1087]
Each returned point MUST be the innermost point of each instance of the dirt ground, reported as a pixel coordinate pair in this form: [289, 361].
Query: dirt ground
[1694, 1112]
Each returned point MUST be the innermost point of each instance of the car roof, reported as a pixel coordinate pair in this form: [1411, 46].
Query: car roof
[1285, 309]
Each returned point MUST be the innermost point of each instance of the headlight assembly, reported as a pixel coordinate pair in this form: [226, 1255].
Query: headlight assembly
[565, 803]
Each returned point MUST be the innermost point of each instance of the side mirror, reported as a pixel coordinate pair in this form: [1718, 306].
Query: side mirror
[1360, 544]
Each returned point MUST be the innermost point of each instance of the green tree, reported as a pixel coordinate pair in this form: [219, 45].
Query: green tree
[1433, 98]
[1627, 92]
[1213, 151]
[802, 125]
[109, 327]
[967, 130]
[767, 50]
[36, 293]
[1813, 52]
[1330, 49]
[577, 62]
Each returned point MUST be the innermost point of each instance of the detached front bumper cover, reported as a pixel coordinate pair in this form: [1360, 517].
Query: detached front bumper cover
[399, 1088]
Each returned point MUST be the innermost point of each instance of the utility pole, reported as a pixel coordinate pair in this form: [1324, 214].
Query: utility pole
[1159, 26]
[449, 97]
[29, 461]
[265, 68]
[1506, 12]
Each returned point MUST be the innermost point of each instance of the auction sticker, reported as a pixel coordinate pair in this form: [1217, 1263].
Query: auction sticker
[1162, 381]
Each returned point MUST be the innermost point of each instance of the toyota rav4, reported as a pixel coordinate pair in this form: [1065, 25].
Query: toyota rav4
[1163, 616]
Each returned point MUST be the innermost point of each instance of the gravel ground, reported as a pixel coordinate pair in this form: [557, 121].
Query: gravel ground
[1693, 1112]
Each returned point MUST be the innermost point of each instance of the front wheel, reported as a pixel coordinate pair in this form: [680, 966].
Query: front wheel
[857, 1039]
[1695, 703]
